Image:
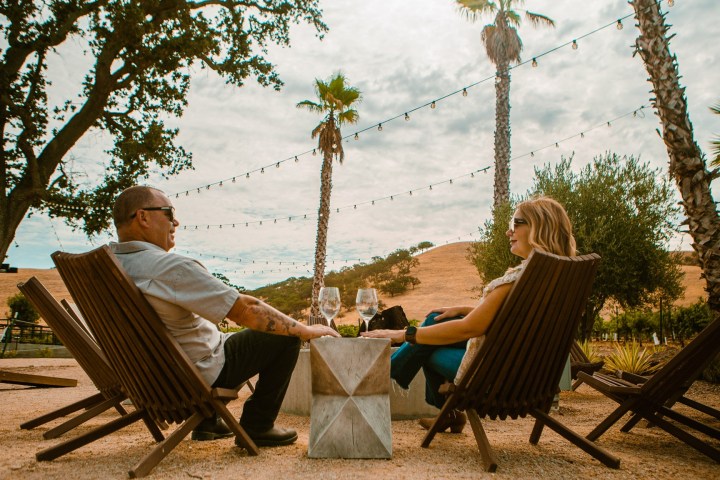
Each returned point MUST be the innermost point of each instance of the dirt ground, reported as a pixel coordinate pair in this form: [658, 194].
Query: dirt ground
[645, 452]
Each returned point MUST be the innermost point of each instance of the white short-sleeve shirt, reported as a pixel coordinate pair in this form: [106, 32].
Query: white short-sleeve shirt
[186, 297]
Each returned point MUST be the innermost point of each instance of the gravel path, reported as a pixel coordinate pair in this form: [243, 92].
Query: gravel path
[645, 453]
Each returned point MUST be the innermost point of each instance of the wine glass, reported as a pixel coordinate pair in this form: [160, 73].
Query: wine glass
[366, 303]
[329, 300]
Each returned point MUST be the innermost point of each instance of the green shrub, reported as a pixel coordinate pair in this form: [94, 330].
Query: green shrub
[589, 351]
[348, 331]
[45, 352]
[631, 358]
[23, 308]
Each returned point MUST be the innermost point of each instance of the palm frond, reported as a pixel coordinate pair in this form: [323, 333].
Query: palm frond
[537, 20]
[472, 10]
[715, 144]
[349, 116]
[513, 18]
[312, 106]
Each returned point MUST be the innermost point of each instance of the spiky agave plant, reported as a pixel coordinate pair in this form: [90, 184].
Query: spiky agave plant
[631, 358]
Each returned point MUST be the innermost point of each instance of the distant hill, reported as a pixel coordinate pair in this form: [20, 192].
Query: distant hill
[446, 276]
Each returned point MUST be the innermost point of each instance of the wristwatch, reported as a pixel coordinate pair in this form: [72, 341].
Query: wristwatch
[410, 333]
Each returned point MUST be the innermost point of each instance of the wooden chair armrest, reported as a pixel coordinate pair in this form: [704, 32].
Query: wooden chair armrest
[631, 377]
[225, 394]
[605, 383]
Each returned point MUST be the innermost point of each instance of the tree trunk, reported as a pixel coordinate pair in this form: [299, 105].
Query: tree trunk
[321, 240]
[501, 191]
[687, 162]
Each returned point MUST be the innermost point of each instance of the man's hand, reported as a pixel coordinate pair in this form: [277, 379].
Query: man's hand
[315, 331]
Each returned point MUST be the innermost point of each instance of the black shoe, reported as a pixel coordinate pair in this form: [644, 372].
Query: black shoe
[211, 429]
[274, 437]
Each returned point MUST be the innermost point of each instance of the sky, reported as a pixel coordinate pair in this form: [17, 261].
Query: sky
[401, 55]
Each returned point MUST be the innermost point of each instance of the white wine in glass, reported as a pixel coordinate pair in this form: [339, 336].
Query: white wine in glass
[329, 300]
[366, 303]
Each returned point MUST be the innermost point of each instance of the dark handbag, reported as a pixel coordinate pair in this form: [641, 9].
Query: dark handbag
[392, 318]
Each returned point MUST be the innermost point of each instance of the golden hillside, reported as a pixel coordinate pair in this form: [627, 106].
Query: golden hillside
[446, 276]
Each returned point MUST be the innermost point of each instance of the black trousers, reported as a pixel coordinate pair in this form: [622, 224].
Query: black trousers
[273, 358]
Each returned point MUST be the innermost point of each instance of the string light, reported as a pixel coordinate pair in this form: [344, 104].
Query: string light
[498, 79]
[671, 3]
[407, 117]
[357, 137]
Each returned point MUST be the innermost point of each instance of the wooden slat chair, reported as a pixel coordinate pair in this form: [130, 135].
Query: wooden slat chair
[518, 367]
[153, 369]
[579, 362]
[88, 355]
[653, 399]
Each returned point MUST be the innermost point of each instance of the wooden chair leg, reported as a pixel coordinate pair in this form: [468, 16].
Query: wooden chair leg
[634, 420]
[82, 418]
[609, 421]
[241, 436]
[589, 447]
[444, 411]
[487, 455]
[161, 450]
[684, 436]
[700, 407]
[690, 422]
[576, 384]
[74, 443]
[61, 412]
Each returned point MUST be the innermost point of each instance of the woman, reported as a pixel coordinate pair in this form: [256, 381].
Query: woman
[440, 346]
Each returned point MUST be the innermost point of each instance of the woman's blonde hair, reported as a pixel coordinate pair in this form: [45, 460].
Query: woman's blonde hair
[550, 228]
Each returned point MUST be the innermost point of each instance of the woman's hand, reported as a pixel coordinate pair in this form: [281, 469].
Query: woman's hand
[397, 336]
[450, 312]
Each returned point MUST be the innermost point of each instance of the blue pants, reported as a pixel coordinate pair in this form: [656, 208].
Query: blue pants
[440, 363]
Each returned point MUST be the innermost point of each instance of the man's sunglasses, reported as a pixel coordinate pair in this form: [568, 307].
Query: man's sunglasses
[516, 222]
[169, 212]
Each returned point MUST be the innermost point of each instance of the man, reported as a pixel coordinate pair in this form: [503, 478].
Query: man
[190, 301]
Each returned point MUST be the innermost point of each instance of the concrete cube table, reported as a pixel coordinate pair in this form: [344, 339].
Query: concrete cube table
[350, 416]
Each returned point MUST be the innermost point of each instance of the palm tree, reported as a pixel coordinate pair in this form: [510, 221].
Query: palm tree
[503, 45]
[335, 100]
[687, 162]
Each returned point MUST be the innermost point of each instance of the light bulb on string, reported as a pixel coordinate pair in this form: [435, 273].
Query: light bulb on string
[407, 117]
[574, 45]
[619, 24]
[379, 127]
[262, 170]
[314, 152]
[357, 137]
[277, 165]
[432, 105]
[233, 180]
[534, 62]
[247, 175]
[464, 92]
[296, 159]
